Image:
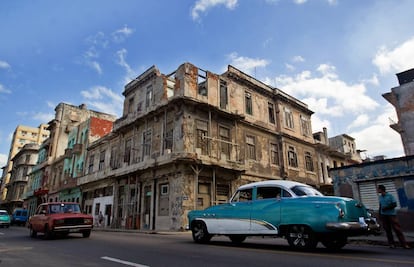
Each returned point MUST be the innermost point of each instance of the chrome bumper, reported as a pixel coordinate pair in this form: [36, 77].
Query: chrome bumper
[367, 226]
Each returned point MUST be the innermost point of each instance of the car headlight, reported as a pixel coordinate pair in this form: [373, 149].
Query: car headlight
[88, 221]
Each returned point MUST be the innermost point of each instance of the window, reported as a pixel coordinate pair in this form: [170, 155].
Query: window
[27, 160]
[202, 133]
[225, 144]
[169, 133]
[271, 192]
[146, 142]
[223, 95]
[114, 160]
[292, 157]
[128, 147]
[251, 147]
[170, 87]
[309, 162]
[274, 154]
[271, 109]
[91, 160]
[243, 195]
[102, 160]
[148, 98]
[163, 200]
[248, 103]
[201, 82]
[288, 118]
[305, 125]
[131, 105]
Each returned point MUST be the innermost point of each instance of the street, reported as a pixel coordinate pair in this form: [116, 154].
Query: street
[140, 249]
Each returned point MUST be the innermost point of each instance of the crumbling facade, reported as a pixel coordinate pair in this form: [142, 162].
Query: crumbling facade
[188, 139]
[50, 179]
[23, 163]
[402, 98]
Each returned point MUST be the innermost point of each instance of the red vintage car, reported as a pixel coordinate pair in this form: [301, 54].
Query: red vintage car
[60, 218]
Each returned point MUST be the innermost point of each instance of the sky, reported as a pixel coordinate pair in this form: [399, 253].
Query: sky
[337, 56]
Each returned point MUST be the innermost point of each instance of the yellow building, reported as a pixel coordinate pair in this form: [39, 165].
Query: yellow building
[22, 135]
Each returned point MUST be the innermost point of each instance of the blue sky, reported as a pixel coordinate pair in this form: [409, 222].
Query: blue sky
[338, 56]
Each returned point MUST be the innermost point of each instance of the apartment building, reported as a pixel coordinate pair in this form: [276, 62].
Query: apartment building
[188, 139]
[22, 135]
[345, 144]
[51, 176]
[23, 163]
[401, 97]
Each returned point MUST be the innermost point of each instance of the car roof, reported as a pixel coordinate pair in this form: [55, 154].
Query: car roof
[282, 183]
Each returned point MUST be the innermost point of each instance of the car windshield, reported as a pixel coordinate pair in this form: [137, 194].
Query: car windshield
[64, 208]
[305, 191]
[2, 213]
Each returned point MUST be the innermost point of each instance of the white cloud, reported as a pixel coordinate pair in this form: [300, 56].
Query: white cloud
[4, 65]
[318, 124]
[121, 34]
[247, 64]
[395, 60]
[326, 93]
[298, 59]
[378, 138]
[103, 99]
[290, 67]
[95, 65]
[202, 6]
[300, 2]
[373, 80]
[4, 90]
[130, 73]
[361, 120]
[3, 160]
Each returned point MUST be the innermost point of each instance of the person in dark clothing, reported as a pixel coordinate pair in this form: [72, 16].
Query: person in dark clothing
[388, 216]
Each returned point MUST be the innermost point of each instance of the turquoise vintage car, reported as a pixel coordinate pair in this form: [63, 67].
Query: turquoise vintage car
[287, 209]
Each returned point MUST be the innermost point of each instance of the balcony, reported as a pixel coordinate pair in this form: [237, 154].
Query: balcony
[68, 152]
[77, 148]
[68, 183]
[396, 126]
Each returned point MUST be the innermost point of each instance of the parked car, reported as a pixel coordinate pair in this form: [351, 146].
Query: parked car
[60, 218]
[287, 209]
[4, 218]
[19, 217]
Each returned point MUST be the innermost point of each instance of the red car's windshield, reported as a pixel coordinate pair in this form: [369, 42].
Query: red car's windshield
[64, 208]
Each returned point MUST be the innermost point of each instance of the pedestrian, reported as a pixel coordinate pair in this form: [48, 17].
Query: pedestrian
[100, 218]
[388, 216]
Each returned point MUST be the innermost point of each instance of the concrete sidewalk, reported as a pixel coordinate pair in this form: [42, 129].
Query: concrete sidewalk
[380, 240]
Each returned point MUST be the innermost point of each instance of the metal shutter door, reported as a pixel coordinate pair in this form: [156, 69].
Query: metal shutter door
[369, 196]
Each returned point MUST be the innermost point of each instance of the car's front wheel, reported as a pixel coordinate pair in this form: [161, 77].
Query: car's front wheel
[334, 242]
[301, 237]
[86, 233]
[200, 233]
[48, 233]
[32, 232]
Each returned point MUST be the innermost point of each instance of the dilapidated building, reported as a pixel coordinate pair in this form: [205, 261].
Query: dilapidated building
[188, 139]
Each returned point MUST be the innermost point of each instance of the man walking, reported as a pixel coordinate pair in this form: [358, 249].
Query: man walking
[388, 216]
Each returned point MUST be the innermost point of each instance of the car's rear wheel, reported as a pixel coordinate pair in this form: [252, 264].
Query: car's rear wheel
[200, 233]
[301, 237]
[86, 233]
[334, 242]
[32, 232]
[237, 239]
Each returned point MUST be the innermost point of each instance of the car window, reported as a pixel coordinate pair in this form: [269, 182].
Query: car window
[24, 213]
[271, 192]
[3, 213]
[64, 208]
[305, 191]
[243, 195]
[18, 213]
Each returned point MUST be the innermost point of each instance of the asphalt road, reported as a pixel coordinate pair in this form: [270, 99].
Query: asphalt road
[140, 250]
